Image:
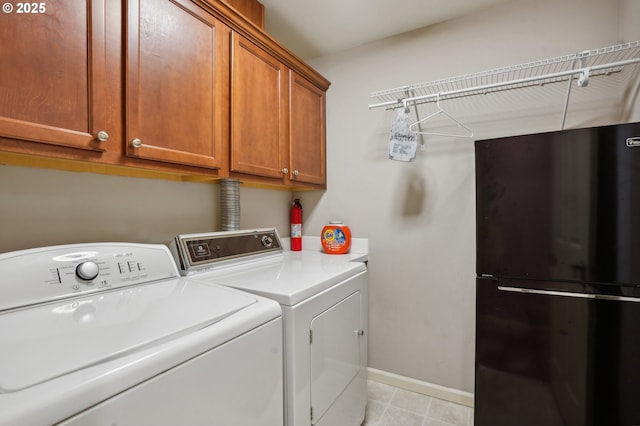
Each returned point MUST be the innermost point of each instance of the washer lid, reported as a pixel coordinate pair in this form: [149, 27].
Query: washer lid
[290, 279]
[50, 340]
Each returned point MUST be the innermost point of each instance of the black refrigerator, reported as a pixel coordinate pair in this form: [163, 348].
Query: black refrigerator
[558, 278]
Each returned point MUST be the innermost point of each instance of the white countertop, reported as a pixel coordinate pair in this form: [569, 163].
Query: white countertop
[359, 251]
[293, 276]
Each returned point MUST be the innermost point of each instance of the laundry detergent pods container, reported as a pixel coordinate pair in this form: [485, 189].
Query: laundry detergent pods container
[336, 238]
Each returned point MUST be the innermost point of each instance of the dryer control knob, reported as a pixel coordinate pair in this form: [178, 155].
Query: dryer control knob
[87, 270]
[267, 241]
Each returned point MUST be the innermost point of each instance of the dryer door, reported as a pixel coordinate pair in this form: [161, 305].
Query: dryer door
[335, 352]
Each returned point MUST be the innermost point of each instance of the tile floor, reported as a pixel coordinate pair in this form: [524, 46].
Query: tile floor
[390, 406]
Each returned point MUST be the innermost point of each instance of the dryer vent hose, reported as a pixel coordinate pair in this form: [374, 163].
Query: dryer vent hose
[230, 204]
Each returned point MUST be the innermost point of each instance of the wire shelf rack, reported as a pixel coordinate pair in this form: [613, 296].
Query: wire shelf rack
[581, 66]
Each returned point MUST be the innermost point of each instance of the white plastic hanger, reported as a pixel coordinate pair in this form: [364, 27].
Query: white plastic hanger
[439, 111]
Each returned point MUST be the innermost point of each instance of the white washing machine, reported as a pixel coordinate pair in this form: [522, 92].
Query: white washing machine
[324, 301]
[111, 334]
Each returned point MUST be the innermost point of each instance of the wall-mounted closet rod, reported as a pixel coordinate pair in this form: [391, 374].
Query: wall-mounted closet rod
[578, 71]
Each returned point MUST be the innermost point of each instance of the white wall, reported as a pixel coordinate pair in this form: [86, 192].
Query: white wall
[42, 207]
[419, 216]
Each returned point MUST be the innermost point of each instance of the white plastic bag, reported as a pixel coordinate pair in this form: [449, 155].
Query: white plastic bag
[403, 141]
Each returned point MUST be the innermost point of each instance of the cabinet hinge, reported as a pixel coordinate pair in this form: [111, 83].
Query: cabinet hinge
[310, 337]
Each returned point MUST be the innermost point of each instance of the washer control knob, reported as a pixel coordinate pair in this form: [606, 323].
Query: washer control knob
[87, 270]
[267, 241]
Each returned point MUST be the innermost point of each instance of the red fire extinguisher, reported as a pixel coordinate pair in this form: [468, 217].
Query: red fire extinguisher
[296, 225]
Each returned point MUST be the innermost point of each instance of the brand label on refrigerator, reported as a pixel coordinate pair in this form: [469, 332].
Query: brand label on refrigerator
[633, 141]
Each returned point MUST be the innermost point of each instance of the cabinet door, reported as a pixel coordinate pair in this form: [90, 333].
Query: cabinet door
[258, 111]
[53, 73]
[307, 131]
[177, 83]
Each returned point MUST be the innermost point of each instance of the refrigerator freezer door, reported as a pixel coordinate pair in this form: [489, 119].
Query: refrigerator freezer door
[560, 205]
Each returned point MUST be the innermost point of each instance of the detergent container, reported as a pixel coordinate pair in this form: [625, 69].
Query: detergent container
[336, 238]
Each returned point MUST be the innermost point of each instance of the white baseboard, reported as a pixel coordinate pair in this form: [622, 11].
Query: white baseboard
[425, 388]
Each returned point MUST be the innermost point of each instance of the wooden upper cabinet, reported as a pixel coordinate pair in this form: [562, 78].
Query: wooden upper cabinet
[258, 111]
[178, 86]
[177, 71]
[53, 74]
[252, 10]
[307, 131]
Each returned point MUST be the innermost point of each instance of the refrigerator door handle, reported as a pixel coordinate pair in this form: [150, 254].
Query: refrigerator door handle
[570, 294]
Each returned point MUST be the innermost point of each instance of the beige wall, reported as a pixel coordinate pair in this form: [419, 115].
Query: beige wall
[629, 16]
[629, 32]
[47, 207]
[419, 216]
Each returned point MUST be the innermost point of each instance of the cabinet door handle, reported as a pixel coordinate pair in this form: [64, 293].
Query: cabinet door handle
[295, 173]
[103, 136]
[136, 143]
[285, 171]
[359, 333]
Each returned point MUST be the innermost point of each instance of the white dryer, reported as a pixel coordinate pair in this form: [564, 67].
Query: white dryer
[110, 333]
[324, 301]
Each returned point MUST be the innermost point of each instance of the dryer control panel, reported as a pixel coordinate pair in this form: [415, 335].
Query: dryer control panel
[33, 276]
[202, 251]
